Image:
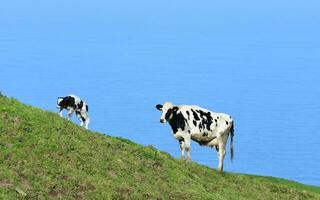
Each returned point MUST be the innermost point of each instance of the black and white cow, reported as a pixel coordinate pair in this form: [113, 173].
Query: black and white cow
[72, 103]
[190, 122]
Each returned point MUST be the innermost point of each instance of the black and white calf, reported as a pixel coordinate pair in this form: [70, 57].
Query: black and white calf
[190, 122]
[72, 103]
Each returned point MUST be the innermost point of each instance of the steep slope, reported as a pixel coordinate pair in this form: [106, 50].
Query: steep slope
[43, 156]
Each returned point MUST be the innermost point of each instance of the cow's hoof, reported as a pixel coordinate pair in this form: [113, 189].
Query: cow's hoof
[220, 171]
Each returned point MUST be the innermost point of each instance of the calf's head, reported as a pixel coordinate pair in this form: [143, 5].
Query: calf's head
[167, 110]
[59, 102]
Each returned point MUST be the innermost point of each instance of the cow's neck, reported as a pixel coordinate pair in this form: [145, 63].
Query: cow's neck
[177, 122]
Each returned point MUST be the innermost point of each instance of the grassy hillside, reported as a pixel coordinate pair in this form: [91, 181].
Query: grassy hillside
[45, 157]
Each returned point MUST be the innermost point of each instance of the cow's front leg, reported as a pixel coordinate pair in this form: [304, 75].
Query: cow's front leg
[70, 112]
[187, 147]
[181, 141]
[221, 154]
[60, 112]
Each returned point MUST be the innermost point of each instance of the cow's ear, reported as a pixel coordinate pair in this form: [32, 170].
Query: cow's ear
[159, 107]
[175, 109]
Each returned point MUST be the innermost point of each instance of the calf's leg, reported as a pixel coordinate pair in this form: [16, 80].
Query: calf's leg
[60, 112]
[79, 117]
[70, 112]
[86, 123]
[85, 118]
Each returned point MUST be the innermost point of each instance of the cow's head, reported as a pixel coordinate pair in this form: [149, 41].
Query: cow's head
[167, 110]
[59, 102]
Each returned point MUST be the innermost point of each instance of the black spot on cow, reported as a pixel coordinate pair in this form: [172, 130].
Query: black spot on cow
[218, 117]
[201, 113]
[177, 121]
[79, 114]
[208, 126]
[195, 115]
[217, 148]
[80, 104]
[216, 122]
[194, 123]
[87, 108]
[67, 101]
[181, 140]
[205, 134]
[227, 122]
[188, 113]
[186, 121]
[189, 131]
[168, 114]
[200, 126]
[206, 119]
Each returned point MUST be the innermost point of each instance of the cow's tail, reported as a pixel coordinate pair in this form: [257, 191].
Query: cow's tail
[231, 142]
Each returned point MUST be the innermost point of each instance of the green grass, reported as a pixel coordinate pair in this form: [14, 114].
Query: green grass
[43, 156]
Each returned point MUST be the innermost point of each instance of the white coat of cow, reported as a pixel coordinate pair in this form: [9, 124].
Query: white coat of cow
[190, 122]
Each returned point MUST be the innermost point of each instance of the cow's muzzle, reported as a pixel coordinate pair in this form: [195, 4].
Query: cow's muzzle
[162, 121]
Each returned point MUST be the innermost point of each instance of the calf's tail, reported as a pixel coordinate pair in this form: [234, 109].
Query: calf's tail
[231, 142]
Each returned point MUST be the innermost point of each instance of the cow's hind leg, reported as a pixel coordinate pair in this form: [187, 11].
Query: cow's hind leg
[87, 123]
[222, 153]
[222, 150]
[85, 118]
[70, 112]
[181, 141]
[79, 117]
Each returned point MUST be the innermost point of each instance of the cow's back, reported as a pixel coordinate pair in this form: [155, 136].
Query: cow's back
[204, 125]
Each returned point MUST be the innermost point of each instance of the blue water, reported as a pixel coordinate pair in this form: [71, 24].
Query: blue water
[258, 62]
